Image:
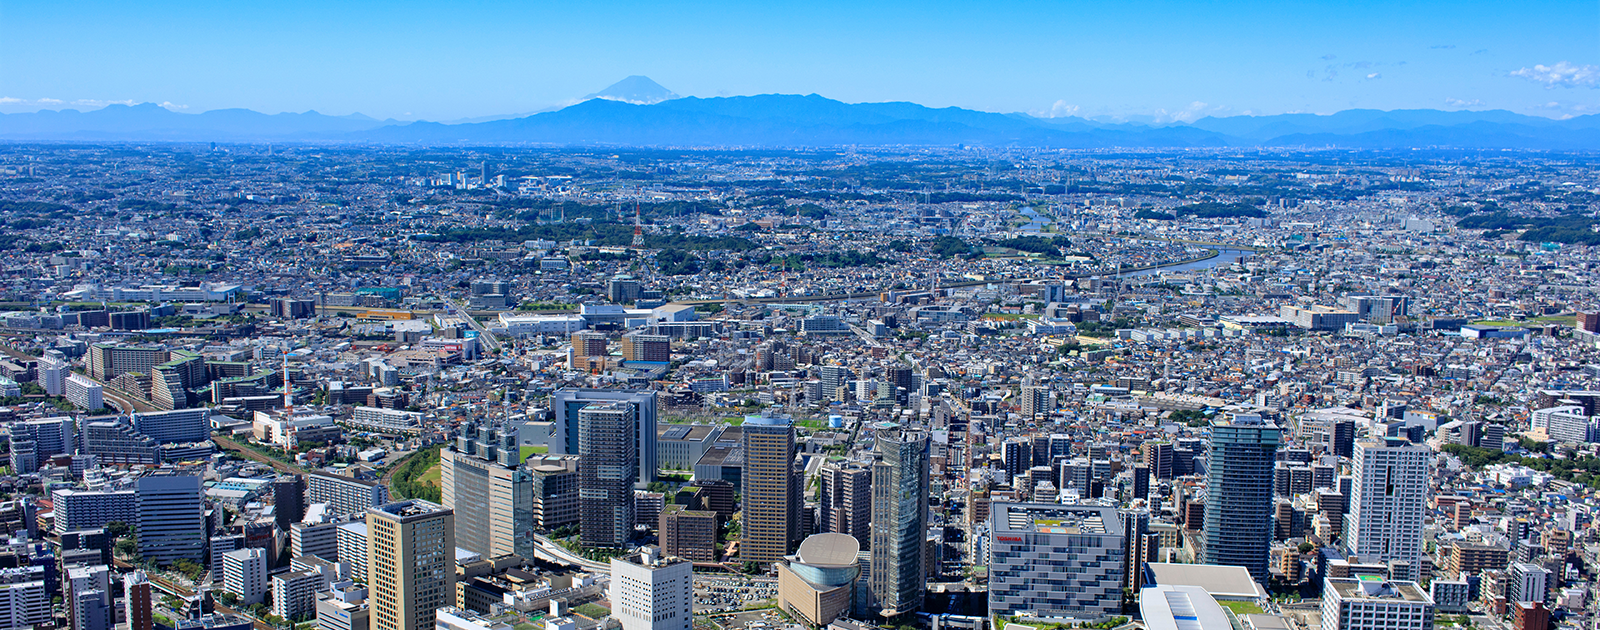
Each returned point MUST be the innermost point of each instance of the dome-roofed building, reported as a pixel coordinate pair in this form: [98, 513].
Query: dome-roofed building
[817, 583]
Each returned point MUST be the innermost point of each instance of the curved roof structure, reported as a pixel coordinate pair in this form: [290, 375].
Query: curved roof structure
[829, 550]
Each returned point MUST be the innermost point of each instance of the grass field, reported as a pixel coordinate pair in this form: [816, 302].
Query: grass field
[432, 476]
[1241, 608]
[592, 610]
[530, 451]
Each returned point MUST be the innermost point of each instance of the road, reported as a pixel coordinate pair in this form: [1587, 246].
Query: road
[489, 340]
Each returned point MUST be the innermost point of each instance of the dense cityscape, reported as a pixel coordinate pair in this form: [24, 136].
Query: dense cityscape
[256, 386]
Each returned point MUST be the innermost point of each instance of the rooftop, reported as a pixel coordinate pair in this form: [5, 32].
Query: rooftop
[1376, 589]
[1221, 581]
[1050, 518]
[1181, 607]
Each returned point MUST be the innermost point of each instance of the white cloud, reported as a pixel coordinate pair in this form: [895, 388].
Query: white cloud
[1562, 74]
[173, 106]
[1195, 111]
[94, 102]
[1374, 76]
[49, 101]
[1456, 102]
[1058, 109]
[7, 100]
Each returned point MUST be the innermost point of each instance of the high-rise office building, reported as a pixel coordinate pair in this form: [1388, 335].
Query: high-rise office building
[1238, 513]
[482, 480]
[900, 471]
[410, 564]
[846, 505]
[171, 509]
[771, 509]
[1055, 560]
[689, 534]
[1357, 604]
[651, 592]
[564, 438]
[607, 444]
[1388, 502]
[555, 496]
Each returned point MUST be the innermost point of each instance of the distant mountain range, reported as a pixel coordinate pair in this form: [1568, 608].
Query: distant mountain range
[640, 112]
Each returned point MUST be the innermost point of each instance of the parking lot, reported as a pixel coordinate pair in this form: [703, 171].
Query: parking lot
[731, 593]
[754, 620]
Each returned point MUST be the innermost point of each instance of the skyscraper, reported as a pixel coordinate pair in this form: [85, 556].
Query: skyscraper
[410, 563]
[607, 472]
[1388, 500]
[899, 519]
[171, 511]
[483, 482]
[770, 508]
[846, 500]
[566, 403]
[1238, 514]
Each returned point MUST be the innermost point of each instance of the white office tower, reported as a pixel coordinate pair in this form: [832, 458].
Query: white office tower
[649, 592]
[1356, 604]
[1388, 498]
[244, 573]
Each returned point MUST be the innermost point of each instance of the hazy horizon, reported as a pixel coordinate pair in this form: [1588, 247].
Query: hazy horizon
[1157, 60]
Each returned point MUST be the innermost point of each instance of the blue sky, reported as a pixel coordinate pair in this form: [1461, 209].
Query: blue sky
[1169, 60]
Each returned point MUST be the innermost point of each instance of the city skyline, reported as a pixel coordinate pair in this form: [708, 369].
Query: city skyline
[1157, 62]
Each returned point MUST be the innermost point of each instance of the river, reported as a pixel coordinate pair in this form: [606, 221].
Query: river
[1223, 257]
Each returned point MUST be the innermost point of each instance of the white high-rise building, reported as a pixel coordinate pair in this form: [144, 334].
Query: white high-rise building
[53, 374]
[80, 390]
[1388, 498]
[649, 592]
[23, 604]
[244, 573]
[352, 543]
